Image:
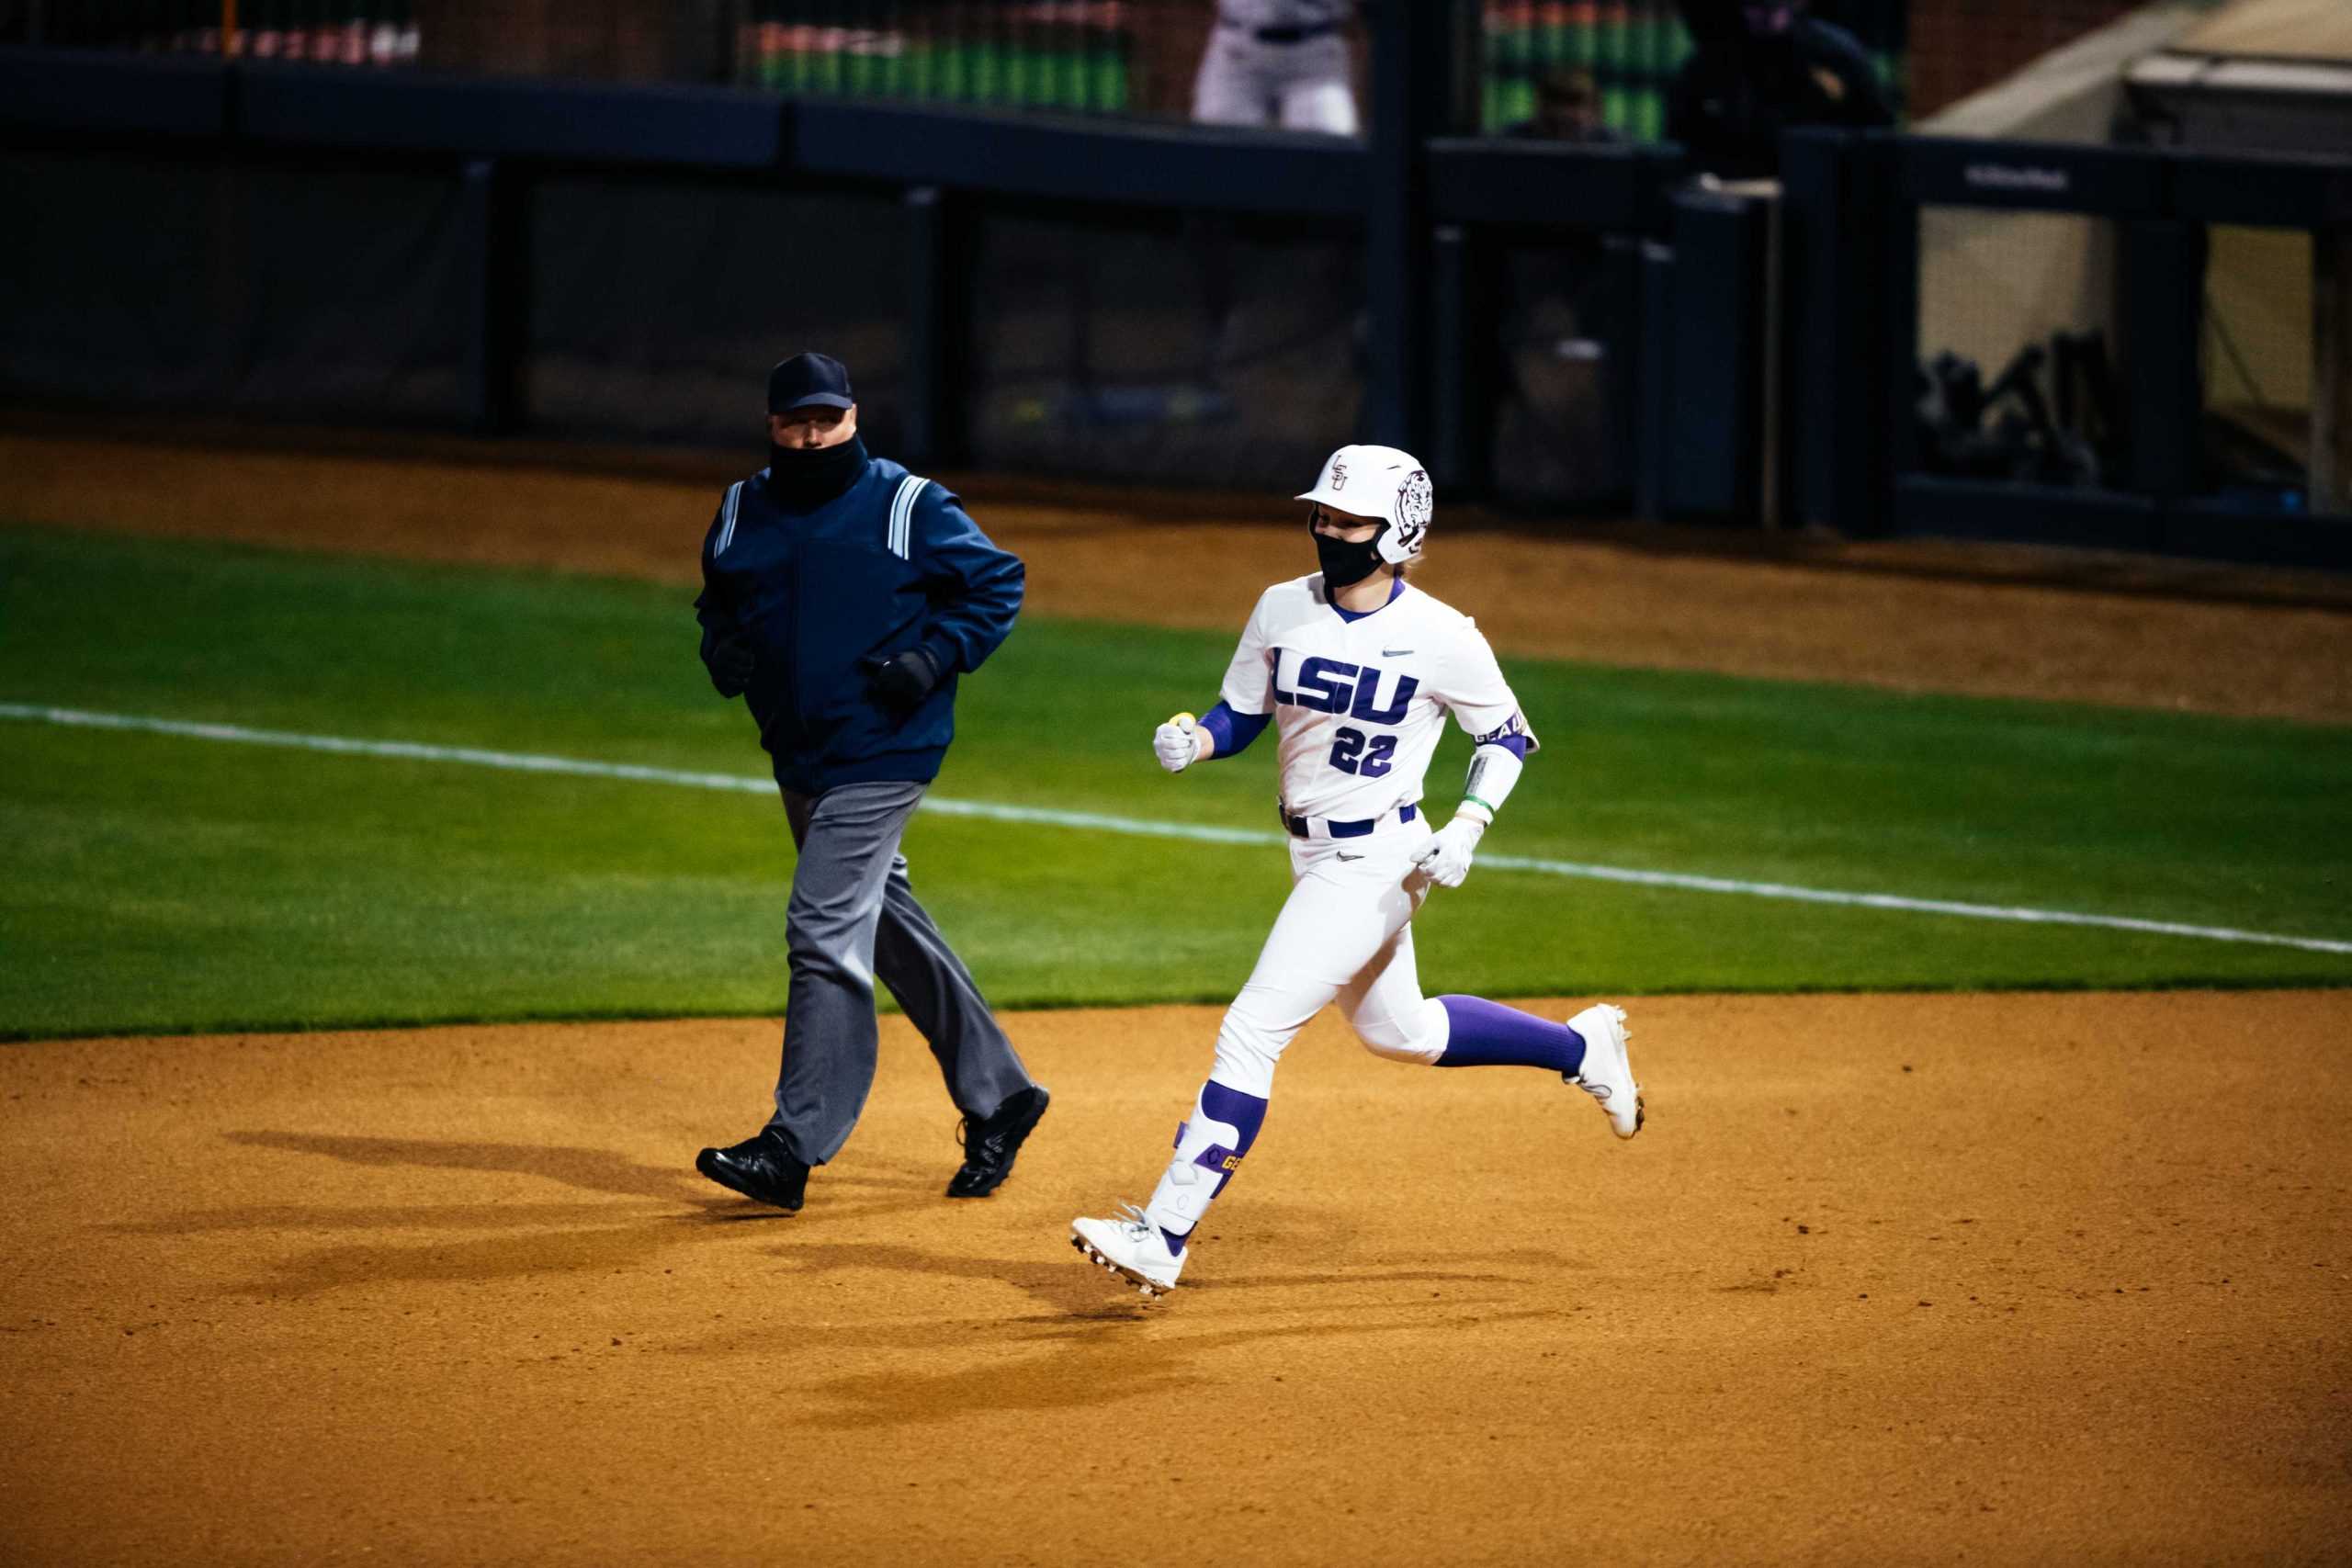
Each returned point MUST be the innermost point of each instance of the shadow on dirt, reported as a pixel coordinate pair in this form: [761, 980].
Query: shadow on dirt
[532, 1239]
[651, 1210]
[591, 1170]
[1087, 1362]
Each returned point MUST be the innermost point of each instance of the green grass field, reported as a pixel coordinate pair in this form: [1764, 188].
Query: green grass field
[157, 883]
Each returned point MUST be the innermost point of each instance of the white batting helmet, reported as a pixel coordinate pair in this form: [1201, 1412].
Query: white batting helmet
[1384, 483]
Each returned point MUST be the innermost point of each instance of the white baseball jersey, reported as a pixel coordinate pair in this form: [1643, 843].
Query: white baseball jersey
[1359, 703]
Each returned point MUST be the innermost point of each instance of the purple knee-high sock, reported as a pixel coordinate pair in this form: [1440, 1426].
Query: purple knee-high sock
[1489, 1034]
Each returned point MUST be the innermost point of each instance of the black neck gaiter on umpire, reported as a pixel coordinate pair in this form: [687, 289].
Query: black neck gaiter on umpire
[803, 480]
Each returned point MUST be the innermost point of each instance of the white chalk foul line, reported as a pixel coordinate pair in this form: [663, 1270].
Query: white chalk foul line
[518, 761]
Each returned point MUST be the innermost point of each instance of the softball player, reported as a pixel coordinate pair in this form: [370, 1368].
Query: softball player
[1357, 670]
[1278, 63]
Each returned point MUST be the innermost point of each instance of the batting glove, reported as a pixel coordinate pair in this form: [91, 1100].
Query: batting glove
[1445, 858]
[1177, 743]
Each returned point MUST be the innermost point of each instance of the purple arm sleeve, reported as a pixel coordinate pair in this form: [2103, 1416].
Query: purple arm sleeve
[1514, 744]
[1233, 731]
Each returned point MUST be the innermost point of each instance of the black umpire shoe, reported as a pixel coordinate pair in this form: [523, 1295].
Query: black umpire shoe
[761, 1169]
[991, 1143]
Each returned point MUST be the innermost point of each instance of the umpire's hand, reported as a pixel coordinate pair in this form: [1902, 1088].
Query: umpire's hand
[729, 660]
[902, 680]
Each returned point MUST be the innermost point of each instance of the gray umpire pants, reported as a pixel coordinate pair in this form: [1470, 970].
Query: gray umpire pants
[854, 917]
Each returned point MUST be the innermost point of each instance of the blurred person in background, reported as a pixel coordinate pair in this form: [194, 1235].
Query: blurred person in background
[842, 597]
[1269, 63]
[1552, 413]
[1757, 68]
[1567, 109]
[1278, 63]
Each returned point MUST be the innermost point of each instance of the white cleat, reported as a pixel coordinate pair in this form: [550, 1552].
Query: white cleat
[1132, 1249]
[1606, 1074]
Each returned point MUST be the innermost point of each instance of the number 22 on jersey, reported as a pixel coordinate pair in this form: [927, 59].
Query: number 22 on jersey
[1353, 751]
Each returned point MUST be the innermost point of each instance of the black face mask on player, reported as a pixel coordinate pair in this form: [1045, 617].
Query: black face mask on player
[803, 479]
[1345, 564]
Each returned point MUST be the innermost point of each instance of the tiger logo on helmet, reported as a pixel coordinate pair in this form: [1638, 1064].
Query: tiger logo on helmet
[1415, 504]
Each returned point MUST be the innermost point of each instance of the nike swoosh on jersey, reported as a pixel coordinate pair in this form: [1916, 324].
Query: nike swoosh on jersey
[1351, 857]
[1394, 652]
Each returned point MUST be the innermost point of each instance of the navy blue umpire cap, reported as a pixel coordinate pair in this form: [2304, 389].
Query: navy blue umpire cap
[806, 378]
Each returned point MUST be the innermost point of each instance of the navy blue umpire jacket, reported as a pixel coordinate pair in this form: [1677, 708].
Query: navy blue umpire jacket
[822, 597]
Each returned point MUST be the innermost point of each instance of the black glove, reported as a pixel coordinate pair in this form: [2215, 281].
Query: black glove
[902, 680]
[730, 662]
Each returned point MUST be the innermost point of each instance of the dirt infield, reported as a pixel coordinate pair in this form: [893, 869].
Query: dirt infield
[1887, 1279]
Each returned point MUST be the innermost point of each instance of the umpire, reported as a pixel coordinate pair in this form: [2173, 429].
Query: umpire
[842, 597]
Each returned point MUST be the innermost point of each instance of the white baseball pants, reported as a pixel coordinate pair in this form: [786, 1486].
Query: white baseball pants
[1345, 934]
[1299, 86]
